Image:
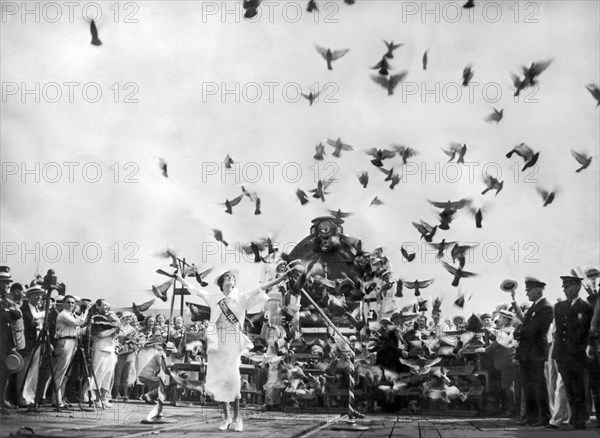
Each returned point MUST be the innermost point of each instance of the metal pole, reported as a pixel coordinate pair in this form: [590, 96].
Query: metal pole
[352, 413]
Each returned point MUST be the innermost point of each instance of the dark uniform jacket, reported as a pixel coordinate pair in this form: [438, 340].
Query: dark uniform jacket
[572, 329]
[30, 327]
[533, 333]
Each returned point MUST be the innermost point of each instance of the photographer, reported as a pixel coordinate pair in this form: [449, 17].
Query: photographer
[33, 319]
[67, 331]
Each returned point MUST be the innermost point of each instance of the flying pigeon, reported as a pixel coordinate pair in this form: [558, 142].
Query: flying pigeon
[492, 184]
[467, 75]
[409, 257]
[219, 237]
[302, 196]
[390, 48]
[534, 71]
[161, 290]
[390, 83]
[379, 155]
[457, 272]
[426, 230]
[228, 162]
[383, 67]
[418, 285]
[441, 247]
[163, 167]
[94, 31]
[526, 153]
[251, 7]
[230, 204]
[363, 179]
[319, 151]
[404, 152]
[496, 116]
[595, 92]
[583, 159]
[331, 56]
[311, 97]
[376, 201]
[338, 145]
[547, 196]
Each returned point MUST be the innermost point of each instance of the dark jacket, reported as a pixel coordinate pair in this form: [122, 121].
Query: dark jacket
[594, 337]
[572, 329]
[533, 333]
[30, 327]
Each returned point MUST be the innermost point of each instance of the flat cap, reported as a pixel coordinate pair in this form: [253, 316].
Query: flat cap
[568, 280]
[532, 282]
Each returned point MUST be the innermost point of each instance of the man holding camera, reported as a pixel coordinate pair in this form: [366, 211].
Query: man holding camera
[67, 331]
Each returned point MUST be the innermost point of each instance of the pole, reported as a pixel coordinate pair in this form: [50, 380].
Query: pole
[181, 302]
[352, 413]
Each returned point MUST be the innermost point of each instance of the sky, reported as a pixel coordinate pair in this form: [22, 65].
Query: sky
[82, 192]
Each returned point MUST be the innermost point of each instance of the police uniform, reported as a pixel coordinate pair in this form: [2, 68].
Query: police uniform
[573, 319]
[531, 353]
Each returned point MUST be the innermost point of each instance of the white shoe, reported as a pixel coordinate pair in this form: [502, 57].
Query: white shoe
[107, 404]
[225, 424]
[238, 426]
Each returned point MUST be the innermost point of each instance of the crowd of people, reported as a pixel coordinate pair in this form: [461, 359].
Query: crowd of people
[540, 359]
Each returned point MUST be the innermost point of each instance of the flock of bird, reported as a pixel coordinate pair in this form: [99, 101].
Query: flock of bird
[385, 78]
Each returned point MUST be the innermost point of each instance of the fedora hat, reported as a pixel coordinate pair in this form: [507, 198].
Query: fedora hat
[36, 288]
[509, 285]
[170, 346]
[5, 274]
[14, 361]
[507, 314]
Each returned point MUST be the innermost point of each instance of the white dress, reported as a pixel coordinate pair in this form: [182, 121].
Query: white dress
[223, 379]
[104, 360]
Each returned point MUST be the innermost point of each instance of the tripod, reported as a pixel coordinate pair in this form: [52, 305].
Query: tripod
[85, 372]
[45, 347]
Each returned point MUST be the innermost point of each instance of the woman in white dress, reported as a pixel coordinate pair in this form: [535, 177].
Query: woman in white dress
[225, 341]
[105, 327]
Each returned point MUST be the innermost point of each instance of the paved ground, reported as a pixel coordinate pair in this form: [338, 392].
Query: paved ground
[124, 421]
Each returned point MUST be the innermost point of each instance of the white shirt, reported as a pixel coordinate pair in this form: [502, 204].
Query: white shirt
[68, 324]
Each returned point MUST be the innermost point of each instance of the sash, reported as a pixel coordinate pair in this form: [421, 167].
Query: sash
[246, 343]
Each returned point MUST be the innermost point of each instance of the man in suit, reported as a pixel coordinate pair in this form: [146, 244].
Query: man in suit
[592, 350]
[573, 318]
[532, 352]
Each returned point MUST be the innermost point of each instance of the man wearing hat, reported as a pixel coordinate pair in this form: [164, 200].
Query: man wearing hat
[9, 315]
[44, 382]
[593, 351]
[502, 354]
[572, 318]
[532, 353]
[67, 330]
[33, 320]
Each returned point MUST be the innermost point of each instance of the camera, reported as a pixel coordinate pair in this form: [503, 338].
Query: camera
[50, 280]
